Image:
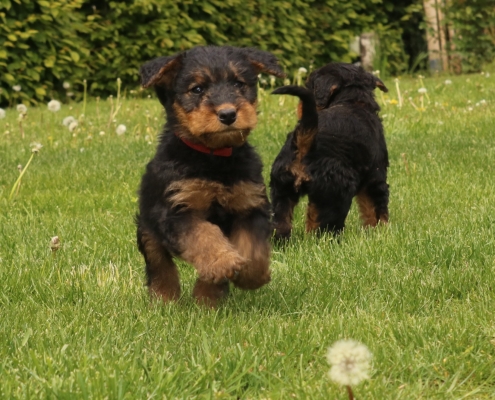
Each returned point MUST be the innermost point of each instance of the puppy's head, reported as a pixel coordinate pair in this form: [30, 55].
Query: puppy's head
[210, 92]
[342, 79]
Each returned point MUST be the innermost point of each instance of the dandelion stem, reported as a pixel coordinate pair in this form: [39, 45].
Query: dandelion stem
[382, 98]
[398, 92]
[349, 392]
[85, 84]
[21, 129]
[18, 181]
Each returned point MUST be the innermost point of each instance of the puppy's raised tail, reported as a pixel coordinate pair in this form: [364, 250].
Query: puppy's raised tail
[305, 131]
[308, 121]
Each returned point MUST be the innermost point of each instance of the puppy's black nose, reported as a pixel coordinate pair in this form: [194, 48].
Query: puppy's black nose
[227, 116]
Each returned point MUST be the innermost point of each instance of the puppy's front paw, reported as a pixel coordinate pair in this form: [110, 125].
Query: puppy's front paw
[226, 267]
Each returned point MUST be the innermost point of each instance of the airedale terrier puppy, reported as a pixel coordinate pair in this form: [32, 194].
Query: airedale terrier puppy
[336, 152]
[202, 197]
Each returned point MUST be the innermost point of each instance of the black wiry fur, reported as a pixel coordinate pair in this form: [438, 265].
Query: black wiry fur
[347, 158]
[227, 76]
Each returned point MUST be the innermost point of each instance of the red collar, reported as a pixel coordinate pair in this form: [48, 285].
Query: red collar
[224, 152]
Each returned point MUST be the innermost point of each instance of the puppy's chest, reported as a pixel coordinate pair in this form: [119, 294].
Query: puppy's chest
[214, 198]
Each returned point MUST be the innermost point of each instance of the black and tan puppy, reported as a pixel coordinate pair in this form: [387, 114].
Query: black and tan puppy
[336, 152]
[202, 197]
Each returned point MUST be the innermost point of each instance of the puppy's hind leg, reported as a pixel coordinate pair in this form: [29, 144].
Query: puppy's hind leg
[161, 271]
[373, 203]
[327, 211]
[210, 294]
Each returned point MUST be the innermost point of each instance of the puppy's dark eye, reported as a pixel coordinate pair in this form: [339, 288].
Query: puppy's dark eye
[239, 84]
[197, 89]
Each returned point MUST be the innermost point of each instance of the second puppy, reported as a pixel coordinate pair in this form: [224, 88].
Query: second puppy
[336, 152]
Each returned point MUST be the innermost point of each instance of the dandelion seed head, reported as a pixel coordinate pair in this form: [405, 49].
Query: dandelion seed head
[448, 82]
[102, 133]
[350, 362]
[487, 75]
[302, 71]
[21, 108]
[422, 90]
[2, 113]
[81, 150]
[483, 102]
[54, 105]
[263, 81]
[19, 168]
[66, 85]
[120, 129]
[17, 88]
[70, 94]
[73, 126]
[35, 147]
[54, 243]
[470, 108]
[68, 120]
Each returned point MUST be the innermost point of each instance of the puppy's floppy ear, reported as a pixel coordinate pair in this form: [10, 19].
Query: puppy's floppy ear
[263, 61]
[323, 86]
[160, 71]
[380, 85]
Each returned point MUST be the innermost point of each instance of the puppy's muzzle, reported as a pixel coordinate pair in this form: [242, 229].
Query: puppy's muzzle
[227, 116]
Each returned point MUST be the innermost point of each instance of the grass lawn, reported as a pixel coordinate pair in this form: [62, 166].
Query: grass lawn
[420, 292]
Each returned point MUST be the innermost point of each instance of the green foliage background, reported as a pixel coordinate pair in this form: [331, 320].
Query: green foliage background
[44, 43]
[474, 24]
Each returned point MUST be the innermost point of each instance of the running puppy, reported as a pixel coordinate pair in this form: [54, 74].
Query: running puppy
[202, 197]
[336, 152]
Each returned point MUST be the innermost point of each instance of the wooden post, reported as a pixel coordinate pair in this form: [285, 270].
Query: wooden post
[435, 35]
[367, 49]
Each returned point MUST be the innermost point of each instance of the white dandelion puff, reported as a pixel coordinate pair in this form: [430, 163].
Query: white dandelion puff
[302, 71]
[17, 88]
[54, 243]
[54, 105]
[66, 85]
[483, 102]
[21, 108]
[487, 75]
[73, 126]
[68, 120]
[350, 362]
[70, 94]
[120, 129]
[448, 82]
[422, 90]
[102, 133]
[2, 113]
[36, 147]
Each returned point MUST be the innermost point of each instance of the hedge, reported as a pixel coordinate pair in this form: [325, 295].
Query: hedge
[46, 43]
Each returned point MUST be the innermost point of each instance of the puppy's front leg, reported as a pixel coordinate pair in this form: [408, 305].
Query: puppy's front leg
[250, 236]
[204, 246]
